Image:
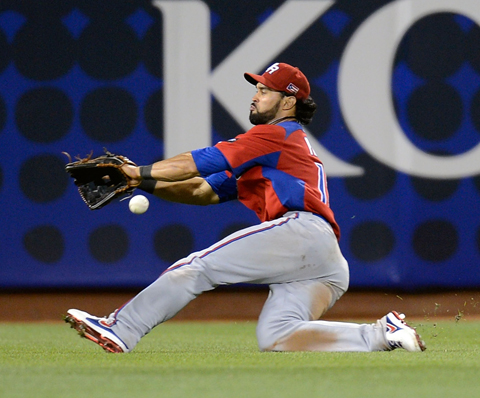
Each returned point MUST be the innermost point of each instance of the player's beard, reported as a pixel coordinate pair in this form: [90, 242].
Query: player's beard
[264, 117]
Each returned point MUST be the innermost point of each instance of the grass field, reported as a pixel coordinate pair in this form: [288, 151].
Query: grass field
[222, 360]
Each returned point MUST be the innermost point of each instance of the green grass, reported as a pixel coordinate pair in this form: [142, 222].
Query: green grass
[222, 360]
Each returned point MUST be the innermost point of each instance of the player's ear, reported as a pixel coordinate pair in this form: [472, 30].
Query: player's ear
[289, 102]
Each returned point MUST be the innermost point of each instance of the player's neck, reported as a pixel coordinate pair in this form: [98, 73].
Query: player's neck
[282, 119]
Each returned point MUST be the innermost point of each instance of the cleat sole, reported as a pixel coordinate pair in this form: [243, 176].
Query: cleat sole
[87, 332]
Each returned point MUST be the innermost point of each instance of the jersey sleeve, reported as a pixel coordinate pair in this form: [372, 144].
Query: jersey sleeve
[224, 185]
[261, 145]
[209, 161]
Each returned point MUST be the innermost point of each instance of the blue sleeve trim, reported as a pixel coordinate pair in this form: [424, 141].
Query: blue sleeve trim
[209, 161]
[223, 185]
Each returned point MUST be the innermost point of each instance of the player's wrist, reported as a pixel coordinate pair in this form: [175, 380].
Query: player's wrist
[145, 172]
[148, 186]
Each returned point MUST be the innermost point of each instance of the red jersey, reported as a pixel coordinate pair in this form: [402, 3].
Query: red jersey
[276, 171]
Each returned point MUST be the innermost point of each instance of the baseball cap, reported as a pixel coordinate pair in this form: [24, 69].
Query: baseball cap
[282, 77]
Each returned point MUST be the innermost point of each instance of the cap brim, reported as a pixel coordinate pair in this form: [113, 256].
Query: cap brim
[253, 79]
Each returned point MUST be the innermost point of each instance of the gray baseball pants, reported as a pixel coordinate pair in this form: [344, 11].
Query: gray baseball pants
[297, 255]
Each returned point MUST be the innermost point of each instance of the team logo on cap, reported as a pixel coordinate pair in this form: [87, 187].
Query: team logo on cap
[273, 68]
[292, 88]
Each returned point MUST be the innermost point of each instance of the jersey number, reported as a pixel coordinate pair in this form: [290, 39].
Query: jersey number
[322, 183]
[310, 148]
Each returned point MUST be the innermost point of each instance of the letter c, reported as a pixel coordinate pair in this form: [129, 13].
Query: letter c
[365, 90]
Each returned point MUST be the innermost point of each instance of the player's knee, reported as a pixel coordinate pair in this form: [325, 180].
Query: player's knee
[192, 278]
[266, 345]
[268, 336]
[266, 349]
[264, 339]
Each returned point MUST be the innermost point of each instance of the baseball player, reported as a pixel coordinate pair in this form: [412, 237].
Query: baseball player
[274, 171]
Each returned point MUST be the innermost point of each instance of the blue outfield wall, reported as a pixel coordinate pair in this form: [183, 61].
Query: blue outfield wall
[398, 128]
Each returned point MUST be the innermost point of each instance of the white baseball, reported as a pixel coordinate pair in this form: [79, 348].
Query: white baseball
[138, 204]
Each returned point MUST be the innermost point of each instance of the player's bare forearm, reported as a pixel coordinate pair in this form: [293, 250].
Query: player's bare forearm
[195, 191]
[179, 168]
[176, 180]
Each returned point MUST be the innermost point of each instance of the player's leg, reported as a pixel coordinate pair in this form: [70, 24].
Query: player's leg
[289, 322]
[245, 256]
[300, 246]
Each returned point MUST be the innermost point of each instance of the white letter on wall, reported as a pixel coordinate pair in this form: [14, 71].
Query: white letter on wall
[186, 71]
[365, 90]
[256, 53]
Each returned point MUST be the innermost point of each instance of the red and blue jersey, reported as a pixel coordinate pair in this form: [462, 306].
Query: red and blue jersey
[271, 169]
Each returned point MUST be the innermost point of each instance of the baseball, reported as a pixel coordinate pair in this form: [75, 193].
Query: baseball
[138, 204]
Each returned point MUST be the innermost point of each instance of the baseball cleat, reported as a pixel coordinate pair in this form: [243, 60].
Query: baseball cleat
[400, 335]
[95, 329]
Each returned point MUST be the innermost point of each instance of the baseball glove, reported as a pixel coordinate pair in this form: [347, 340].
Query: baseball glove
[100, 180]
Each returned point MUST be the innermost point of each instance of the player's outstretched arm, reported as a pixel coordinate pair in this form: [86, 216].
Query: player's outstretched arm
[175, 179]
[195, 191]
[179, 168]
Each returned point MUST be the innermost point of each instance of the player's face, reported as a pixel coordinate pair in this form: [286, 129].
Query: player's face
[265, 105]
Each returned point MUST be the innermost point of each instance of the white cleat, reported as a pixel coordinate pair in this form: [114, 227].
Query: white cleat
[400, 335]
[95, 329]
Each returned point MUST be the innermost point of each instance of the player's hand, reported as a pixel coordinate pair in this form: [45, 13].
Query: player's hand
[133, 174]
